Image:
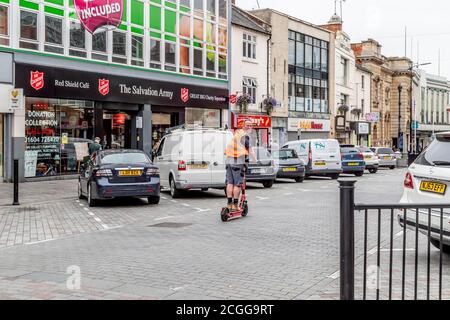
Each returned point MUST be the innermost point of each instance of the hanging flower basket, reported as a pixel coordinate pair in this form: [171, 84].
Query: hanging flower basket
[242, 102]
[343, 108]
[357, 112]
[269, 103]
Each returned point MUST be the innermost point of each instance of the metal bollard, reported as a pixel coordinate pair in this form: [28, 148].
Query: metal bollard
[347, 239]
[16, 183]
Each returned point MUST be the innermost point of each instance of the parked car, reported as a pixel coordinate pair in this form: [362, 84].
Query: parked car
[112, 174]
[371, 159]
[427, 182]
[289, 165]
[321, 156]
[387, 157]
[263, 169]
[192, 160]
[352, 161]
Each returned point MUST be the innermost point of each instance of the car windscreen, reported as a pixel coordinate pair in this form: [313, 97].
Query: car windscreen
[385, 151]
[349, 150]
[262, 154]
[364, 149]
[284, 154]
[437, 154]
[121, 158]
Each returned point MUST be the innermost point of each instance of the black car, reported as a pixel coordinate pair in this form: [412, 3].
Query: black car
[289, 165]
[263, 169]
[116, 173]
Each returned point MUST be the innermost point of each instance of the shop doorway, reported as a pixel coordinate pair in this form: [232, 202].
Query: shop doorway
[160, 123]
[2, 146]
[117, 130]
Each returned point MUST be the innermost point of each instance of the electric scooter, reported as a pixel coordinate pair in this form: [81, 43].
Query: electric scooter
[226, 214]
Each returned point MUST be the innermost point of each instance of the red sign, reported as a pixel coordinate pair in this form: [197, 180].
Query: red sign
[184, 95]
[37, 80]
[94, 14]
[119, 119]
[233, 99]
[259, 122]
[103, 86]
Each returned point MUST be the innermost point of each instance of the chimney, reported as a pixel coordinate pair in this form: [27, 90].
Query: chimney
[334, 25]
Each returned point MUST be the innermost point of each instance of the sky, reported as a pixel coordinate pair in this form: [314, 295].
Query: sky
[426, 22]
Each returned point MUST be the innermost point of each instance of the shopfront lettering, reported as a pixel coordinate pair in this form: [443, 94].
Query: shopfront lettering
[72, 84]
[95, 14]
[100, 11]
[141, 91]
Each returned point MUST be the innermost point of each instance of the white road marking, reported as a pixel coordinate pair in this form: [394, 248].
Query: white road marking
[177, 288]
[47, 240]
[261, 198]
[372, 251]
[163, 218]
[97, 219]
[87, 209]
[334, 275]
[163, 197]
[174, 201]
[105, 226]
[288, 194]
[185, 204]
[202, 210]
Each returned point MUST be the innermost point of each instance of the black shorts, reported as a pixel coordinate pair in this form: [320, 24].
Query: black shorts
[235, 175]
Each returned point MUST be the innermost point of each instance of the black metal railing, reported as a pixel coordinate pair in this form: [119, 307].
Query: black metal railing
[384, 218]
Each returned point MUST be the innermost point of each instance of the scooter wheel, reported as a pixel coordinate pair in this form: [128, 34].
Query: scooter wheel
[224, 215]
[245, 209]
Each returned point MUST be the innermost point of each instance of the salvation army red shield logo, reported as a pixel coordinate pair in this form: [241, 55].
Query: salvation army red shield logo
[103, 86]
[37, 80]
[184, 95]
[95, 14]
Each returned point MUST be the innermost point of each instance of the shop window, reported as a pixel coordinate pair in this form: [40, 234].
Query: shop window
[155, 54]
[185, 26]
[77, 40]
[249, 46]
[316, 59]
[29, 30]
[222, 61]
[249, 86]
[207, 118]
[170, 56]
[99, 49]
[119, 47]
[308, 56]
[58, 134]
[4, 25]
[198, 29]
[53, 35]
[137, 50]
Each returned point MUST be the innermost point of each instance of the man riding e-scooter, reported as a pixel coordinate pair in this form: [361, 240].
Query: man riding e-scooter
[237, 153]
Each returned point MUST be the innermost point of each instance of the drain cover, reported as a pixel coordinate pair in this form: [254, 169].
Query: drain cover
[170, 225]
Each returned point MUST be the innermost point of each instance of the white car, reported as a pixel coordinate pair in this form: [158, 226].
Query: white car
[428, 182]
[386, 156]
[192, 159]
[371, 159]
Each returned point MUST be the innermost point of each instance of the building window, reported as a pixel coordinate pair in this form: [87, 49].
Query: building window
[53, 35]
[137, 50]
[155, 54]
[77, 40]
[99, 49]
[170, 56]
[119, 49]
[343, 72]
[4, 26]
[249, 46]
[249, 86]
[308, 73]
[29, 30]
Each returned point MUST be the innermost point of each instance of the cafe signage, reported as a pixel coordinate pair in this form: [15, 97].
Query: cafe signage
[59, 83]
[258, 121]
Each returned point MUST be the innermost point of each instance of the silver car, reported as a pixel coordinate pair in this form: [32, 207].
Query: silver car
[386, 156]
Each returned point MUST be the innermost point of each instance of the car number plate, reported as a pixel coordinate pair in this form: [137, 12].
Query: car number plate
[353, 164]
[258, 171]
[130, 173]
[367, 158]
[387, 158]
[198, 166]
[320, 164]
[433, 187]
[289, 169]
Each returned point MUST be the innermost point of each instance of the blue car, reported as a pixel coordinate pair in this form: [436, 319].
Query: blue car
[112, 174]
[352, 161]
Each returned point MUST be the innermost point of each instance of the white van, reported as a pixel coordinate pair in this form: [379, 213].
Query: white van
[192, 159]
[322, 156]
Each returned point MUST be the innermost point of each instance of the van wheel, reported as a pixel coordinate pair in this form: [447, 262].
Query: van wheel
[373, 170]
[359, 174]
[153, 200]
[392, 167]
[268, 184]
[335, 176]
[174, 192]
[299, 179]
[437, 244]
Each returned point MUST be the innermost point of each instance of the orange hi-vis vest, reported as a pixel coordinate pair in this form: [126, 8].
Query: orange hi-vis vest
[235, 148]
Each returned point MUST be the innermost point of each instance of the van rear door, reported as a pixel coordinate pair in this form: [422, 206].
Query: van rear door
[197, 155]
[218, 168]
[326, 155]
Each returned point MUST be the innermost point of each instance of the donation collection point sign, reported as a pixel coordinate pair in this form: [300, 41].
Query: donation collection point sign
[96, 14]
